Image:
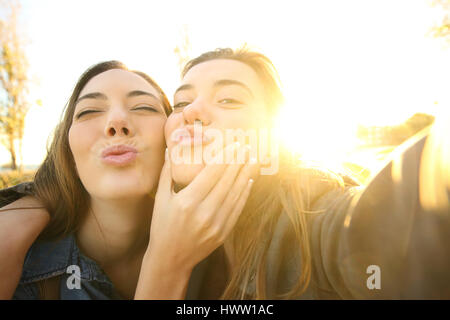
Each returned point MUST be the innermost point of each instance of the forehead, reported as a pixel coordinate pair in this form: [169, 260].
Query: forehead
[209, 72]
[117, 81]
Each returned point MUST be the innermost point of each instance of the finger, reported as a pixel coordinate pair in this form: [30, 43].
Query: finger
[232, 218]
[233, 194]
[165, 179]
[222, 188]
[202, 184]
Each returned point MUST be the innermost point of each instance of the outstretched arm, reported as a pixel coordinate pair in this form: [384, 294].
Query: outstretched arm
[384, 243]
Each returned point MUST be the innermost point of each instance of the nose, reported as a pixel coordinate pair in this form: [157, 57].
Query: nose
[196, 111]
[118, 124]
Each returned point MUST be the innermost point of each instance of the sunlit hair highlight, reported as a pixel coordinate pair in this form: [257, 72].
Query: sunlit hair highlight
[287, 195]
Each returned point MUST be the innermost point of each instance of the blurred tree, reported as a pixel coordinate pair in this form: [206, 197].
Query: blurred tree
[419, 121]
[13, 81]
[182, 51]
[443, 29]
[377, 136]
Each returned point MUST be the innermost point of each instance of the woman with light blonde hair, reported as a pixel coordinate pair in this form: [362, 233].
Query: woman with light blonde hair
[304, 233]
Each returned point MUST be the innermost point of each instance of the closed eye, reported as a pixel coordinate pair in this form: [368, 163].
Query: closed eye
[180, 105]
[82, 113]
[146, 108]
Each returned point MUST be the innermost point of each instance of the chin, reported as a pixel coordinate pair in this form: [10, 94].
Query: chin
[129, 191]
[123, 192]
[183, 174]
[124, 187]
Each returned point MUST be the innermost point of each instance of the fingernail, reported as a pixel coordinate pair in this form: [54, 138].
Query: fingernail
[253, 160]
[167, 154]
[250, 181]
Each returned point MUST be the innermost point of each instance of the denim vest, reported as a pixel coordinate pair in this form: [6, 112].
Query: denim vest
[80, 276]
[63, 258]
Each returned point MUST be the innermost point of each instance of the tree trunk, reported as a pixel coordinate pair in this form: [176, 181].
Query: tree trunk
[20, 155]
[12, 151]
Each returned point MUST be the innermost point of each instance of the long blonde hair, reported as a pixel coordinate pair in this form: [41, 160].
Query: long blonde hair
[290, 192]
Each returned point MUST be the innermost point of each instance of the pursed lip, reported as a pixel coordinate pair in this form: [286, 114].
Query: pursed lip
[119, 155]
[188, 137]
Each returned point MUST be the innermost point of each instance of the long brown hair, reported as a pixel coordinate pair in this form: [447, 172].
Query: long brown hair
[290, 192]
[57, 184]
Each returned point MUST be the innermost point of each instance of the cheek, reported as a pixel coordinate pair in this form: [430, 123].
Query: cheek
[253, 116]
[81, 139]
[235, 119]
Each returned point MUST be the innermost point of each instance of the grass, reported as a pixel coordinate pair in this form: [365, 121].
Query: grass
[13, 177]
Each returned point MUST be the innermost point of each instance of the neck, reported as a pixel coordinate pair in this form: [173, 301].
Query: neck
[116, 232]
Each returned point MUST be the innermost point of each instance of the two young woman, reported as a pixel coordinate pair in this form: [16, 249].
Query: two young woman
[296, 234]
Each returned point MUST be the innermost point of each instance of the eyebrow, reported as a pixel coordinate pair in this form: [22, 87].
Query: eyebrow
[93, 95]
[218, 83]
[184, 87]
[137, 93]
[101, 96]
[228, 82]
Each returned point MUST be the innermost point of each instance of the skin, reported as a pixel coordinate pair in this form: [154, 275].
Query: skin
[193, 236]
[208, 207]
[221, 107]
[189, 224]
[13, 244]
[120, 195]
[99, 123]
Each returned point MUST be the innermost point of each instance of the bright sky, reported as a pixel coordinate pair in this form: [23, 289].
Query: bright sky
[341, 62]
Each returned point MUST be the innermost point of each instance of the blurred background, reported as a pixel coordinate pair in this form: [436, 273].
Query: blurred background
[360, 76]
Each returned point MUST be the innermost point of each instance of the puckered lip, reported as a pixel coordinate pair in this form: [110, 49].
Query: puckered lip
[117, 150]
[187, 136]
[119, 155]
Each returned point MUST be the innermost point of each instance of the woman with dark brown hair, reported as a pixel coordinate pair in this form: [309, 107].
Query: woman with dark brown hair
[109, 138]
[303, 233]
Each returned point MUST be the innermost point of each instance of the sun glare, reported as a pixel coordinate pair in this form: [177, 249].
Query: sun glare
[340, 67]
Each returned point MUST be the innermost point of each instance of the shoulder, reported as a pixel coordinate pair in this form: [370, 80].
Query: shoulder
[44, 264]
[314, 183]
[319, 189]
[46, 259]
